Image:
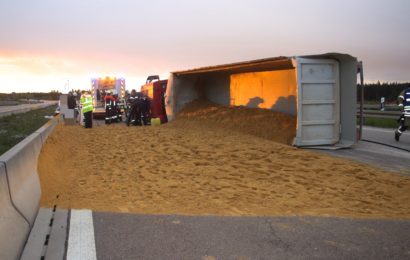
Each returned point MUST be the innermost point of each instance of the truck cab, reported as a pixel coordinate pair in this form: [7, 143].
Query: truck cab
[154, 89]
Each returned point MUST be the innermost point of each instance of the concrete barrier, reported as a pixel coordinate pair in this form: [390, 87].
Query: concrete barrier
[48, 128]
[21, 169]
[14, 229]
[20, 191]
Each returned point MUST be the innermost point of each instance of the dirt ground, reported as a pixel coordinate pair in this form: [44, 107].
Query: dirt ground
[212, 160]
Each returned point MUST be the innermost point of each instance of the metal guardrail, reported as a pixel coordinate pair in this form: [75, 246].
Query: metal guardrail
[391, 111]
[380, 114]
[390, 107]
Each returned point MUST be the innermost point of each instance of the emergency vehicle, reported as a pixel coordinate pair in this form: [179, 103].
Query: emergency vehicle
[99, 86]
[154, 89]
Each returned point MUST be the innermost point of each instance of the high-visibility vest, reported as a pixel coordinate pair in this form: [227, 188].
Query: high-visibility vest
[86, 103]
[406, 102]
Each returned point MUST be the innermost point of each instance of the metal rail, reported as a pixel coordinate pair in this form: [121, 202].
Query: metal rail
[379, 114]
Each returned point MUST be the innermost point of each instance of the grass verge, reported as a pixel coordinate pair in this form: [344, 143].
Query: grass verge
[379, 122]
[15, 128]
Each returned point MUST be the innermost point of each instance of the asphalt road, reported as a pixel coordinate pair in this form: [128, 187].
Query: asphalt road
[83, 234]
[130, 236]
[9, 110]
[386, 136]
[379, 149]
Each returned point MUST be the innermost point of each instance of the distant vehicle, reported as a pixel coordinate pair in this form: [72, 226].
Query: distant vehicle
[155, 89]
[99, 86]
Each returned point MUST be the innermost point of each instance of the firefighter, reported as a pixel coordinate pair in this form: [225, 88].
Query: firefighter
[131, 99]
[116, 108]
[133, 95]
[146, 110]
[135, 106]
[87, 109]
[404, 106]
[109, 107]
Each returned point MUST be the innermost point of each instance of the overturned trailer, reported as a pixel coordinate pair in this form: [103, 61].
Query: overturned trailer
[319, 89]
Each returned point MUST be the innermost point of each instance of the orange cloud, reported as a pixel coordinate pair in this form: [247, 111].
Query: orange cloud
[21, 73]
[37, 66]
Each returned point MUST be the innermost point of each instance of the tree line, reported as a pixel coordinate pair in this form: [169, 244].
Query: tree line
[372, 92]
[389, 90]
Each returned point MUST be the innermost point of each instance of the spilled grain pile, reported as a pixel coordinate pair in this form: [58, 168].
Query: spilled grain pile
[210, 162]
[264, 123]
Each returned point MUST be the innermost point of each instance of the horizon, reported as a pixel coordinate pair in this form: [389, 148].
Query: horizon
[75, 89]
[45, 44]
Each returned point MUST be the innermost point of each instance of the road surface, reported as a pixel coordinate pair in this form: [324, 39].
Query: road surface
[103, 235]
[378, 148]
[9, 110]
[106, 235]
[386, 136]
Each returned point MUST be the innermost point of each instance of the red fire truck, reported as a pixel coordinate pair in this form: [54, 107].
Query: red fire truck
[99, 86]
[155, 89]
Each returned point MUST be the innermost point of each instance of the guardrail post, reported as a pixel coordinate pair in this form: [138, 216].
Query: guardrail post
[360, 70]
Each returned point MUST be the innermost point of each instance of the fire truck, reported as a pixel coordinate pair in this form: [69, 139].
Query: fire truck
[154, 89]
[99, 86]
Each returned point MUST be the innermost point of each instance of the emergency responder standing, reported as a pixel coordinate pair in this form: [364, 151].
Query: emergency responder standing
[146, 110]
[87, 109]
[109, 105]
[132, 109]
[116, 108]
[132, 96]
[404, 106]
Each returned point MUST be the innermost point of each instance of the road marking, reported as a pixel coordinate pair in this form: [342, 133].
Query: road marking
[81, 243]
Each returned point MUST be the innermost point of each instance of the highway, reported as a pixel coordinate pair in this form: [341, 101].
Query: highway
[9, 110]
[108, 235]
[378, 148]
[127, 236]
[83, 234]
[386, 136]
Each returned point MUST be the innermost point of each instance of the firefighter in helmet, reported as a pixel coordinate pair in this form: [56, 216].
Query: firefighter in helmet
[146, 109]
[134, 109]
[116, 108]
[109, 106]
[404, 106]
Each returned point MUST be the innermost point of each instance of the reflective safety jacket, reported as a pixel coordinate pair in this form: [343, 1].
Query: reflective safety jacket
[404, 101]
[86, 103]
[132, 99]
[110, 101]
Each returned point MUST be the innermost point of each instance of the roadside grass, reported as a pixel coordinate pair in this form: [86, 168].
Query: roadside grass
[15, 128]
[379, 122]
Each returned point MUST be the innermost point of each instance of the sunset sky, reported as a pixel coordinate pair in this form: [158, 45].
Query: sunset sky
[46, 43]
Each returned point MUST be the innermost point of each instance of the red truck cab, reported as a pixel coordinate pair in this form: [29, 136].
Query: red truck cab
[154, 89]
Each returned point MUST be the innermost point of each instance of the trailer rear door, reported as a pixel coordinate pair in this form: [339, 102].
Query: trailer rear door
[318, 102]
